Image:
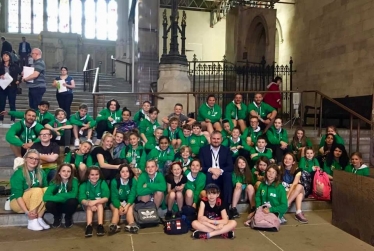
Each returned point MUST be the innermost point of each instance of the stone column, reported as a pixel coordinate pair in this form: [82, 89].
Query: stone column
[3, 16]
[123, 39]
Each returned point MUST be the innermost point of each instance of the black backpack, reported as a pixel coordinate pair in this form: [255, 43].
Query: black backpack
[146, 214]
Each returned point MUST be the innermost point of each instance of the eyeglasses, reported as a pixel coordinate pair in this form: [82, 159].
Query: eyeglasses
[45, 134]
[32, 158]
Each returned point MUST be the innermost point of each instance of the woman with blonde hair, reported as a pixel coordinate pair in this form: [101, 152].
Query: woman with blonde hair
[102, 156]
[28, 184]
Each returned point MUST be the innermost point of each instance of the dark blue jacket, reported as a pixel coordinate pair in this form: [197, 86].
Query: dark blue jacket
[28, 48]
[225, 158]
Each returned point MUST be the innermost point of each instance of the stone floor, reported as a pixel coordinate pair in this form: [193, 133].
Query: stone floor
[318, 235]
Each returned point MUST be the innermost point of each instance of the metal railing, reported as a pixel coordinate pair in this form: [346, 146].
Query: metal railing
[90, 76]
[128, 68]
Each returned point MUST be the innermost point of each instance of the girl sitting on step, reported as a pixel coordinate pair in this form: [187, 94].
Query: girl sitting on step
[299, 142]
[28, 184]
[61, 195]
[331, 130]
[336, 159]
[357, 166]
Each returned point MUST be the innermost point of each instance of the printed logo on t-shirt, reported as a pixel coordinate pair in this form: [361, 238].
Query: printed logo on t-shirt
[273, 195]
[192, 141]
[33, 136]
[262, 192]
[120, 191]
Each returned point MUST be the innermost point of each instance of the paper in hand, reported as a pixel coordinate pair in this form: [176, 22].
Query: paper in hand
[27, 71]
[6, 81]
[60, 86]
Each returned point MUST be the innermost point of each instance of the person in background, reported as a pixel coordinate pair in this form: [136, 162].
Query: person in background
[7, 47]
[36, 81]
[183, 119]
[65, 98]
[107, 118]
[10, 92]
[237, 112]
[274, 99]
[24, 50]
[210, 114]
[263, 111]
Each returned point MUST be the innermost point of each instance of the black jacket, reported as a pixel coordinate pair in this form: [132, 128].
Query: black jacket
[6, 47]
[14, 72]
[28, 48]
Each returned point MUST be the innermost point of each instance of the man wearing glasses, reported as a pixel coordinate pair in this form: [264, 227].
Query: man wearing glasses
[49, 152]
[24, 133]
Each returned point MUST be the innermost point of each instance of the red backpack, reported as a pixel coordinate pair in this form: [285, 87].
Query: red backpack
[321, 186]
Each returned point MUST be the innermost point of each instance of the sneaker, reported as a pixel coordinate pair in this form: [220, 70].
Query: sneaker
[283, 220]
[178, 214]
[113, 228]
[1, 123]
[301, 218]
[90, 140]
[67, 150]
[199, 235]
[168, 215]
[235, 213]
[132, 228]
[228, 235]
[43, 224]
[100, 230]
[76, 142]
[68, 222]
[12, 122]
[89, 231]
[34, 225]
[56, 222]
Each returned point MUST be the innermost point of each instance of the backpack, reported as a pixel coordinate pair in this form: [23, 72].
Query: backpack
[321, 186]
[189, 215]
[265, 222]
[176, 226]
[146, 214]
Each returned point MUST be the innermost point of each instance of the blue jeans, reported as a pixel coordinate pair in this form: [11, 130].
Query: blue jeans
[36, 96]
[11, 93]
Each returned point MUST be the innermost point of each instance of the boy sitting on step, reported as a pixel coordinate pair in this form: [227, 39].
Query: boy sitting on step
[82, 124]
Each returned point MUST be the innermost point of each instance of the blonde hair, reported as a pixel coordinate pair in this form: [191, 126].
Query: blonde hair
[38, 170]
[103, 138]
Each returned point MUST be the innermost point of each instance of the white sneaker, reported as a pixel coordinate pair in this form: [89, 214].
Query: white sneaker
[76, 142]
[43, 224]
[34, 225]
[1, 123]
[90, 140]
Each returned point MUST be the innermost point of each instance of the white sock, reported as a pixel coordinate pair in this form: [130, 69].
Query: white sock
[298, 211]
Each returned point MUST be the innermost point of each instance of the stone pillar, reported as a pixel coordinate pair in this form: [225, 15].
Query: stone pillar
[174, 78]
[3, 16]
[122, 42]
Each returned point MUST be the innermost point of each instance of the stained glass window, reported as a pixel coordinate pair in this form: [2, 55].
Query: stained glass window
[76, 16]
[37, 16]
[64, 16]
[112, 20]
[52, 10]
[13, 16]
[90, 18]
[25, 16]
[101, 20]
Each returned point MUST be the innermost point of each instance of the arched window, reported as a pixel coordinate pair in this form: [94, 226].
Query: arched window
[100, 17]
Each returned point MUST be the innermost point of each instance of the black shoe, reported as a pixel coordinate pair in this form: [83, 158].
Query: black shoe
[235, 213]
[228, 235]
[67, 150]
[168, 215]
[200, 235]
[100, 230]
[68, 222]
[178, 214]
[113, 228]
[89, 231]
[56, 222]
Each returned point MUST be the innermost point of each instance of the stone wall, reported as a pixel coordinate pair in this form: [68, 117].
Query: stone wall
[332, 44]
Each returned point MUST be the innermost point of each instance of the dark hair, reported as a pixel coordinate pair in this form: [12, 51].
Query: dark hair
[358, 154]
[120, 169]
[278, 178]
[10, 57]
[153, 109]
[343, 159]
[253, 117]
[332, 127]
[325, 146]
[308, 148]
[186, 127]
[113, 100]
[58, 180]
[44, 102]
[30, 110]
[164, 137]
[172, 119]
[64, 67]
[210, 96]
[126, 110]
[224, 121]
[94, 168]
[179, 104]
[170, 173]
[146, 102]
[46, 129]
[58, 110]
[247, 171]
[263, 137]
[278, 118]
[277, 78]
[83, 106]
[196, 124]
[295, 140]
[263, 159]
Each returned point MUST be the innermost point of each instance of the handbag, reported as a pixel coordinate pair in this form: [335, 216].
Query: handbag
[176, 226]
[265, 222]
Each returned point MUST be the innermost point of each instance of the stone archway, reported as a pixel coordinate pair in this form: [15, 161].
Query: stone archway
[257, 39]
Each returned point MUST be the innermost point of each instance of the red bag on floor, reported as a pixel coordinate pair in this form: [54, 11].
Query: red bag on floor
[321, 186]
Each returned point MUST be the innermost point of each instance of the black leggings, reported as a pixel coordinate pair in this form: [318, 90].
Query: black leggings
[101, 127]
[64, 140]
[278, 152]
[68, 208]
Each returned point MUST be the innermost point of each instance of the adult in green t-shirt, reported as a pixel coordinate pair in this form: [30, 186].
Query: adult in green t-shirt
[263, 111]
[107, 118]
[210, 114]
[237, 111]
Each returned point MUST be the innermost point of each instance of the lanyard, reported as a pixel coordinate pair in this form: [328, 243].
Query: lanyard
[215, 157]
[161, 154]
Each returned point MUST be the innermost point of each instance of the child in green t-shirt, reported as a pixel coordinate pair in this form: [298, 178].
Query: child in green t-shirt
[61, 129]
[195, 183]
[197, 140]
[173, 133]
[80, 159]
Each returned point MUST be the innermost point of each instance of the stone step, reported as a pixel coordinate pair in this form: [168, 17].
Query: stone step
[10, 219]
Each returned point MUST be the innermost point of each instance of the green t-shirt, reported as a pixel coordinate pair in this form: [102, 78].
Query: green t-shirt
[263, 109]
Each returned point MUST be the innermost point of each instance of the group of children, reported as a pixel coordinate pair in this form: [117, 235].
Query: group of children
[140, 160]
